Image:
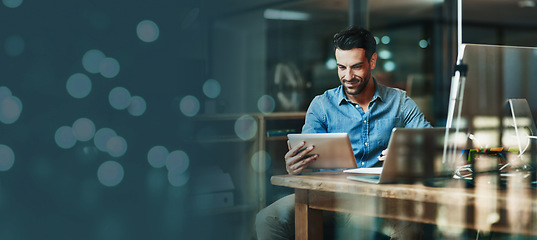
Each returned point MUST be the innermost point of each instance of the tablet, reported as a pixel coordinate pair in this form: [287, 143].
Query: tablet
[334, 149]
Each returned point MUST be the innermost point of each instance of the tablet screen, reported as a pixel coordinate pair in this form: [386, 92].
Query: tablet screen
[334, 149]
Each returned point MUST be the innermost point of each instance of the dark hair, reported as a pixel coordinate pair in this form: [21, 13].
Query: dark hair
[356, 37]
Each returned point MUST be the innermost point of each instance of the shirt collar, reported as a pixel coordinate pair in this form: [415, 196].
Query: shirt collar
[380, 93]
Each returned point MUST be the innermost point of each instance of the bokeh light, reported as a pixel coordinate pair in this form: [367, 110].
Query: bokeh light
[137, 106]
[116, 146]
[331, 64]
[260, 161]
[423, 43]
[7, 157]
[389, 66]
[4, 92]
[266, 104]
[91, 61]
[190, 106]
[12, 3]
[14, 45]
[10, 106]
[177, 162]
[147, 31]
[119, 98]
[385, 54]
[246, 127]
[109, 67]
[178, 179]
[101, 138]
[157, 156]
[110, 173]
[64, 137]
[10, 109]
[211, 88]
[78, 85]
[83, 129]
[386, 39]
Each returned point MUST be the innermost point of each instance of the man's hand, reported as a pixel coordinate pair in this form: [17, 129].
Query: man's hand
[296, 160]
[383, 154]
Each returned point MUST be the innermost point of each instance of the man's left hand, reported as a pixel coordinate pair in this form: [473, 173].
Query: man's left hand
[383, 154]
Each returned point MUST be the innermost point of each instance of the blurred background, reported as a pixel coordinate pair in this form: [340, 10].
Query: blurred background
[165, 119]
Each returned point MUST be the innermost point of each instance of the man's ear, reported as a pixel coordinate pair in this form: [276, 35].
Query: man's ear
[373, 61]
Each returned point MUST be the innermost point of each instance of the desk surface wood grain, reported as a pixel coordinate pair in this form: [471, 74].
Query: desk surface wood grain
[453, 191]
[484, 207]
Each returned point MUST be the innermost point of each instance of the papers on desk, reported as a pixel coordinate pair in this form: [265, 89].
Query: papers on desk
[372, 170]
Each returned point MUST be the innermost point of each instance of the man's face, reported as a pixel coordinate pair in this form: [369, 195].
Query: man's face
[354, 70]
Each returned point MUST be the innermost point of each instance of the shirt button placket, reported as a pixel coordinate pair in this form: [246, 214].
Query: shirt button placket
[367, 138]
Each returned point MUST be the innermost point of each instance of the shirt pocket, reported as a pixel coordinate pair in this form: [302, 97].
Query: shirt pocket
[382, 129]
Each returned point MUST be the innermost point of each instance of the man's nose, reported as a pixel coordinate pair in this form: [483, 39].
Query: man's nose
[347, 75]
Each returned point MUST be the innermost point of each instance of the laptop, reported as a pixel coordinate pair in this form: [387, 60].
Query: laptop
[414, 155]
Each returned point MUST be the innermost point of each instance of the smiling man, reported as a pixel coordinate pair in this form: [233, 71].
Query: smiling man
[361, 107]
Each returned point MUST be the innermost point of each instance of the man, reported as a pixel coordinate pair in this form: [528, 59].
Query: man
[361, 107]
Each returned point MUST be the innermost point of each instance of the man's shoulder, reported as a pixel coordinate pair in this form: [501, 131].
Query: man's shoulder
[387, 92]
[330, 94]
[325, 101]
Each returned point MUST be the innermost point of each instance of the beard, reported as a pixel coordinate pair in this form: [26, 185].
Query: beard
[362, 83]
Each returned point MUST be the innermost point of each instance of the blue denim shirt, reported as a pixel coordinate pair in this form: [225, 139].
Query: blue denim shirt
[369, 131]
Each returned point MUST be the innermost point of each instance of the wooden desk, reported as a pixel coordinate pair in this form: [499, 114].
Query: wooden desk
[483, 208]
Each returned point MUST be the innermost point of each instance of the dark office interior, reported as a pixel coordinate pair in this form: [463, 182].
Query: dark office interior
[166, 119]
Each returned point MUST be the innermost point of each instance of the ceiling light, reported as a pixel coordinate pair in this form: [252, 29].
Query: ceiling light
[526, 3]
[285, 15]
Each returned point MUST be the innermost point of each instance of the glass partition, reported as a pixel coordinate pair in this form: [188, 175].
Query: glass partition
[493, 109]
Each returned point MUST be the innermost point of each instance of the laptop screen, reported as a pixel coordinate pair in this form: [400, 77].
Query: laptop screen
[415, 154]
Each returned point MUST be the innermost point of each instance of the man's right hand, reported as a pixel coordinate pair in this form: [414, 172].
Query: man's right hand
[296, 160]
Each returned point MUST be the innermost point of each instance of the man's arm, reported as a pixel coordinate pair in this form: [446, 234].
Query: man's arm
[413, 117]
[315, 121]
[295, 160]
